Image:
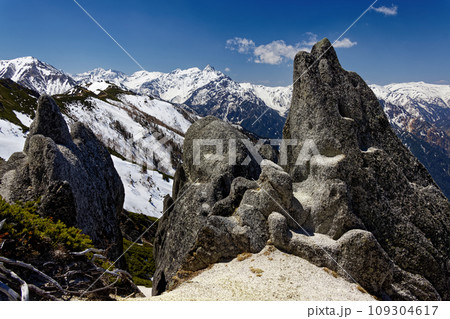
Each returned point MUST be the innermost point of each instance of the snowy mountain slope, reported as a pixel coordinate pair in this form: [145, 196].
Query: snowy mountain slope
[145, 131]
[36, 75]
[16, 110]
[97, 87]
[238, 104]
[277, 97]
[141, 129]
[420, 92]
[210, 92]
[137, 79]
[418, 100]
[144, 191]
[230, 102]
[420, 115]
[418, 108]
[12, 138]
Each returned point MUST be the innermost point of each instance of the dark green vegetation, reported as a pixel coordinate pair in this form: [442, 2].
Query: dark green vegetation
[27, 235]
[139, 257]
[39, 241]
[34, 239]
[141, 221]
[81, 95]
[112, 92]
[116, 154]
[14, 97]
[52, 258]
[140, 262]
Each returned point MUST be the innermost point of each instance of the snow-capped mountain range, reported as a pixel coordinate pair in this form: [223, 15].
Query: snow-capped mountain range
[422, 101]
[208, 92]
[419, 112]
[36, 75]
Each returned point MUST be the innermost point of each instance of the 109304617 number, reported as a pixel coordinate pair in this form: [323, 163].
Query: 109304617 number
[402, 310]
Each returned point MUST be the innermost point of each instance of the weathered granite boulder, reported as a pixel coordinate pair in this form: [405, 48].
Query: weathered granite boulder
[363, 177]
[211, 217]
[73, 175]
[209, 163]
[356, 256]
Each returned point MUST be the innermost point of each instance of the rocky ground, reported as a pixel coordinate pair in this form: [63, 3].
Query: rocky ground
[268, 275]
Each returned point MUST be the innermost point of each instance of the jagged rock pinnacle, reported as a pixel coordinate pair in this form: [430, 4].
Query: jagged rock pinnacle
[49, 122]
[364, 177]
[74, 177]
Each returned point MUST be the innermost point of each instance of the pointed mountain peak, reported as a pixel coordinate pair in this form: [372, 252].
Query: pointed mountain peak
[28, 59]
[209, 68]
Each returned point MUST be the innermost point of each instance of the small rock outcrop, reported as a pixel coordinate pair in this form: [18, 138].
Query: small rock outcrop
[356, 256]
[363, 177]
[73, 175]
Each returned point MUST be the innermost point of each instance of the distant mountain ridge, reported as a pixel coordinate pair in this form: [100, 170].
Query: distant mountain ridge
[208, 92]
[420, 116]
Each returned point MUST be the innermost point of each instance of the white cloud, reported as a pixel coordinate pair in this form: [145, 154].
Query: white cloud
[312, 39]
[227, 69]
[392, 11]
[274, 52]
[344, 43]
[277, 51]
[241, 45]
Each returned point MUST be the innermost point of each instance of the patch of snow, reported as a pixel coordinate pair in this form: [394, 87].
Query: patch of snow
[98, 86]
[12, 139]
[23, 118]
[144, 192]
[163, 111]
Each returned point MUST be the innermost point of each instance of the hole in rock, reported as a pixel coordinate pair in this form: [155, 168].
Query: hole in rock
[343, 111]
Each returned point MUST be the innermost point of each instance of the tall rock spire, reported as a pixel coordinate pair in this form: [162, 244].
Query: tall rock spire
[364, 177]
[73, 175]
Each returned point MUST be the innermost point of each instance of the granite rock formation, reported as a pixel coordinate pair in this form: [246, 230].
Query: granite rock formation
[350, 196]
[218, 209]
[73, 175]
[364, 177]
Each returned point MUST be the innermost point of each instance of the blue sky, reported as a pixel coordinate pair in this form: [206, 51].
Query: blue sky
[252, 41]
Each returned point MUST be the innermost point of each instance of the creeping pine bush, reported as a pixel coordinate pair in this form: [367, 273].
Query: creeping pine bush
[140, 262]
[26, 230]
